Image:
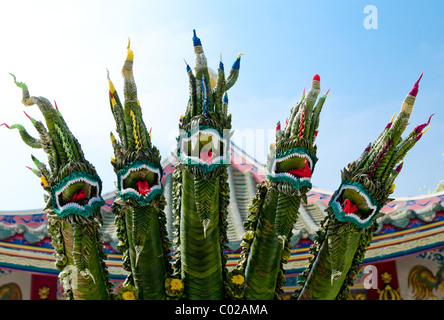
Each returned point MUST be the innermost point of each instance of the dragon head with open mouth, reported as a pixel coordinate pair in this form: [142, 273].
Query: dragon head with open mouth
[203, 142]
[353, 209]
[366, 186]
[138, 209]
[72, 182]
[73, 202]
[292, 159]
[202, 157]
[368, 182]
[136, 161]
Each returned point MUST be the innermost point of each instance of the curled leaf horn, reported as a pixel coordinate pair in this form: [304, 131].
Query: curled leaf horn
[204, 98]
[129, 122]
[65, 146]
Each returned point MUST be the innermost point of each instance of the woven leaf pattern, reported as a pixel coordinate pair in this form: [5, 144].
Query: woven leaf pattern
[287, 210]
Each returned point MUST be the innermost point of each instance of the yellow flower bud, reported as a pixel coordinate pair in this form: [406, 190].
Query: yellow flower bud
[238, 279]
[128, 296]
[176, 284]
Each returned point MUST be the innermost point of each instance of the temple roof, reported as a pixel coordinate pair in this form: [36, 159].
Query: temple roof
[410, 225]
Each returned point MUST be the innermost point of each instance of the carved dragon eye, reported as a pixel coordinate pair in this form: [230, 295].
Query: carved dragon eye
[140, 181]
[353, 203]
[78, 193]
[204, 148]
[294, 166]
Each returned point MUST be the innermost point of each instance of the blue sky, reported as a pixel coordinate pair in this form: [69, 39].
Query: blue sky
[62, 50]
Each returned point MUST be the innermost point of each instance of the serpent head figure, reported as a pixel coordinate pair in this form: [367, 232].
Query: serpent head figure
[366, 186]
[71, 181]
[201, 179]
[204, 139]
[292, 158]
[368, 182]
[138, 209]
[275, 208]
[73, 201]
[136, 161]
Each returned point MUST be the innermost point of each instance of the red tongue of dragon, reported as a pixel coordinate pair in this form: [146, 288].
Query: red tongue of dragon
[143, 187]
[301, 172]
[349, 207]
[206, 156]
[79, 196]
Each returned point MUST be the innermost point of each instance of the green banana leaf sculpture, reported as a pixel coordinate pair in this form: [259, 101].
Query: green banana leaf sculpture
[274, 209]
[201, 191]
[72, 204]
[351, 214]
[201, 198]
[139, 206]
